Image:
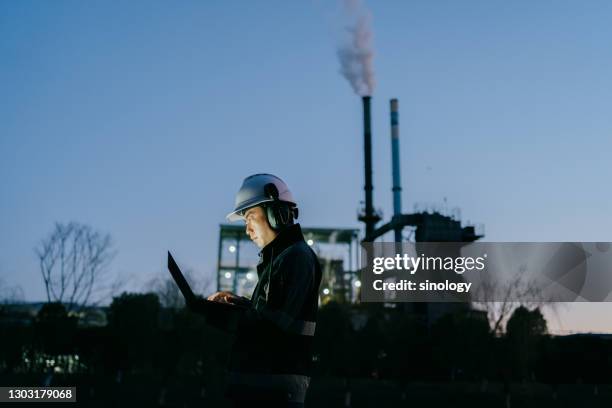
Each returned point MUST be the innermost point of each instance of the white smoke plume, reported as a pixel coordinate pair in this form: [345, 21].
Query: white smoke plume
[355, 50]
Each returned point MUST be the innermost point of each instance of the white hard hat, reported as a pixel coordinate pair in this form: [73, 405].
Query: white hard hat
[253, 193]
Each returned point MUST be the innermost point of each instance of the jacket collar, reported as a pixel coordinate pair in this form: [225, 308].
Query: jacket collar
[285, 238]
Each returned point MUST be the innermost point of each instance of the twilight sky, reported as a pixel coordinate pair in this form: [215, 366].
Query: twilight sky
[142, 118]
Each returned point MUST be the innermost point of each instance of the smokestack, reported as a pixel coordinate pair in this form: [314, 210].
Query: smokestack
[397, 185]
[369, 217]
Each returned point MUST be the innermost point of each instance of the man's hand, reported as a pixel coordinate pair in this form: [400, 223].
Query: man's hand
[224, 297]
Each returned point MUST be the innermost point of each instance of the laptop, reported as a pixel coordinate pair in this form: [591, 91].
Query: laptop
[180, 280]
[185, 289]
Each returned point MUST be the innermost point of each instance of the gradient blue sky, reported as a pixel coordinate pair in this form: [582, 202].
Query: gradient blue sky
[142, 118]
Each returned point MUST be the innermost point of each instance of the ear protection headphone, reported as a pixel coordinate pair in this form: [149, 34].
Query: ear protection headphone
[279, 214]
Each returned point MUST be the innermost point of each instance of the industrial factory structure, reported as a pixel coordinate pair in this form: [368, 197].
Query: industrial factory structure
[338, 248]
[431, 226]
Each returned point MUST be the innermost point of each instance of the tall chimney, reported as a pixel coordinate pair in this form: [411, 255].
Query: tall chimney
[370, 218]
[395, 157]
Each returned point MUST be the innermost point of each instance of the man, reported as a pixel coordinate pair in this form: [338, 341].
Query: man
[271, 357]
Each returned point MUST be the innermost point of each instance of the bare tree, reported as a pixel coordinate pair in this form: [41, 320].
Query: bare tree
[499, 300]
[10, 294]
[73, 263]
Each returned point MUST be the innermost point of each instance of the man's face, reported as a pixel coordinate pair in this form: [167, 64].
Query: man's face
[257, 227]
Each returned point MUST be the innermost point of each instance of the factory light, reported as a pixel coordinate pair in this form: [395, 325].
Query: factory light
[357, 283]
[310, 242]
[228, 275]
[232, 248]
[250, 275]
[326, 291]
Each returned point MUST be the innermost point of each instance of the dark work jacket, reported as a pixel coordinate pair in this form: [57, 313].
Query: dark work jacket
[272, 354]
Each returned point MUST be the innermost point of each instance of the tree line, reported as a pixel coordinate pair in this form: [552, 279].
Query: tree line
[143, 337]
